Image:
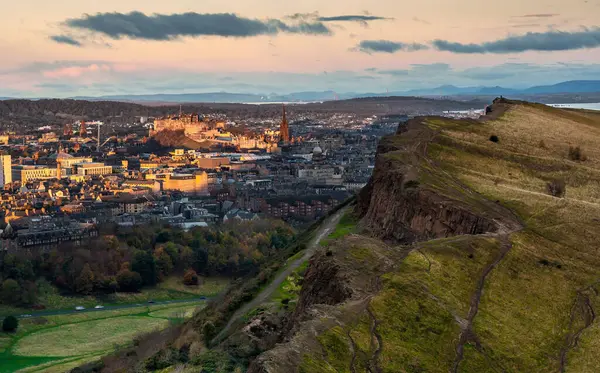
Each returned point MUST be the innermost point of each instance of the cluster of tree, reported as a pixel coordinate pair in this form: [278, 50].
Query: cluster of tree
[144, 256]
[10, 324]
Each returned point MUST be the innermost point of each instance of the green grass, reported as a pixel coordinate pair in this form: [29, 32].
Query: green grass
[60, 366]
[62, 342]
[170, 289]
[173, 313]
[86, 337]
[290, 288]
[345, 226]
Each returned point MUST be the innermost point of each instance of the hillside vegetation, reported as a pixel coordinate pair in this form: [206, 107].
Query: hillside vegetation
[474, 248]
[519, 296]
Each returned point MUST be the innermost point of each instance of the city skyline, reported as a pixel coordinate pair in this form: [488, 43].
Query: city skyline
[140, 47]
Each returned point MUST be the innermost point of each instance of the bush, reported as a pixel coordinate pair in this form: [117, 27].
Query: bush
[557, 188]
[494, 138]
[10, 324]
[129, 281]
[576, 154]
[190, 277]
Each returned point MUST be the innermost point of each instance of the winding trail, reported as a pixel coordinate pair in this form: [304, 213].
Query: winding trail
[583, 308]
[467, 333]
[324, 230]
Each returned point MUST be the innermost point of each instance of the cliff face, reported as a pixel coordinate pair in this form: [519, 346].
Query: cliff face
[397, 206]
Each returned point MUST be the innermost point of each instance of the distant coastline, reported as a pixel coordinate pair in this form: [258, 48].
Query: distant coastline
[588, 106]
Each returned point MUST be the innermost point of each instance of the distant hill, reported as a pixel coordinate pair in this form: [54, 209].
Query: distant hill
[575, 86]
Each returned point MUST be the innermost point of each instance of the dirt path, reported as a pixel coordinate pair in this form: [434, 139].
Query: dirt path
[324, 230]
[467, 333]
[583, 309]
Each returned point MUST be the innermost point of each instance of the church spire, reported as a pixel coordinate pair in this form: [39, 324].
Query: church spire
[284, 130]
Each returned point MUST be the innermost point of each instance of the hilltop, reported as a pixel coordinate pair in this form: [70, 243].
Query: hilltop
[474, 248]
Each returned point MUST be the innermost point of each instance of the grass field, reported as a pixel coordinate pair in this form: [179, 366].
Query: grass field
[171, 288]
[60, 343]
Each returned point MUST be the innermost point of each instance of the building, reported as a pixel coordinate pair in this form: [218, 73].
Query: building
[24, 173]
[5, 170]
[328, 175]
[212, 163]
[68, 161]
[130, 205]
[190, 124]
[4, 139]
[47, 232]
[152, 185]
[92, 169]
[49, 137]
[284, 130]
[195, 183]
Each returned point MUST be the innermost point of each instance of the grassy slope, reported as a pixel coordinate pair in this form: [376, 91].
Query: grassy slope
[525, 314]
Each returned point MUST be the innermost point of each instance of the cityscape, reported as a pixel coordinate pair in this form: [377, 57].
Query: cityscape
[276, 186]
[60, 183]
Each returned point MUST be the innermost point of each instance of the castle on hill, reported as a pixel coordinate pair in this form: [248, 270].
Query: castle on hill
[198, 129]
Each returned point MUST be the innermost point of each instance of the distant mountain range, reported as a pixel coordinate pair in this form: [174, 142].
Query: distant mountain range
[573, 86]
[570, 87]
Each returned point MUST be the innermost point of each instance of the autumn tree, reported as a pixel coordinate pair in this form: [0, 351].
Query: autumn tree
[84, 284]
[190, 277]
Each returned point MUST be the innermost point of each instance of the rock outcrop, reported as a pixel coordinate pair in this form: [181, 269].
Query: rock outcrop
[397, 206]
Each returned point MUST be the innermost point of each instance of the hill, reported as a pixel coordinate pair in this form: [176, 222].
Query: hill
[472, 249]
[568, 87]
[174, 139]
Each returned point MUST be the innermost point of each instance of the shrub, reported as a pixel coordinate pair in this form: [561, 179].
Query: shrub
[542, 144]
[411, 184]
[576, 154]
[10, 324]
[494, 138]
[129, 281]
[190, 277]
[556, 188]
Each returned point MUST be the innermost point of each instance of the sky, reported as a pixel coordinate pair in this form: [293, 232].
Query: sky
[71, 48]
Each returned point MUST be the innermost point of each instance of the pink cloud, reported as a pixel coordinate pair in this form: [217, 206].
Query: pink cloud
[76, 71]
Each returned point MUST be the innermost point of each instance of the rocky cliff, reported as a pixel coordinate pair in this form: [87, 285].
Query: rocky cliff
[399, 205]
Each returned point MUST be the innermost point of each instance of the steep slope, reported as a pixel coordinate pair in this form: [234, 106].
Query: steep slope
[492, 274]
[454, 258]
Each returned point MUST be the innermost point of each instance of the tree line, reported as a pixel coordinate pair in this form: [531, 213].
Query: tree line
[143, 256]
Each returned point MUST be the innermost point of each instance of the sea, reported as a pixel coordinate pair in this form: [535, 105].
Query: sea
[591, 106]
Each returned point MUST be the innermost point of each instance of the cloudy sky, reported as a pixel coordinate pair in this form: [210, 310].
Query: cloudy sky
[97, 47]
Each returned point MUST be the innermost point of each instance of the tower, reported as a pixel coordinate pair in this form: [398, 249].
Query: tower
[284, 130]
[68, 131]
[82, 129]
[5, 170]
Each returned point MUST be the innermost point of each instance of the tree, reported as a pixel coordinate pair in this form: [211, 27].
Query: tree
[11, 291]
[200, 260]
[84, 284]
[129, 281]
[163, 236]
[164, 263]
[144, 264]
[10, 324]
[190, 277]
